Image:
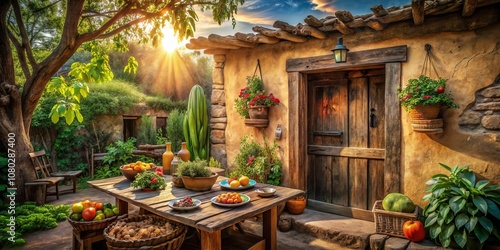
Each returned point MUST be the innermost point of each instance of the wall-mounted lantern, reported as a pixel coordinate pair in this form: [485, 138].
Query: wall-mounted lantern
[340, 51]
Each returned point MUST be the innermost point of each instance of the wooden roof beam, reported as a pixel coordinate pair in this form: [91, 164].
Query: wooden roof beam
[256, 38]
[307, 30]
[417, 10]
[469, 7]
[215, 51]
[290, 37]
[264, 31]
[344, 16]
[374, 24]
[229, 40]
[207, 44]
[284, 26]
[393, 16]
[340, 26]
[313, 21]
[379, 11]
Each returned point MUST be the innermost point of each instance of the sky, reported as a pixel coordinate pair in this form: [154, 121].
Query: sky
[266, 12]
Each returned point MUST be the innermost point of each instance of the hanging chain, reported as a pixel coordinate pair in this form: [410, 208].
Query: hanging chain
[260, 70]
[428, 64]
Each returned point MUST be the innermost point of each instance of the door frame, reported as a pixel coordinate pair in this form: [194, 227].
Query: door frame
[298, 68]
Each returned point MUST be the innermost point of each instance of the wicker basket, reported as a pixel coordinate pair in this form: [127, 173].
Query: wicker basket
[155, 241]
[173, 244]
[83, 226]
[391, 223]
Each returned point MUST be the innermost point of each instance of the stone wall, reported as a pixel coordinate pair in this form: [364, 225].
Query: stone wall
[469, 59]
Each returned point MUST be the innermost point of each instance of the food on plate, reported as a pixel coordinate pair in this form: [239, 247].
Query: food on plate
[229, 198]
[234, 184]
[185, 202]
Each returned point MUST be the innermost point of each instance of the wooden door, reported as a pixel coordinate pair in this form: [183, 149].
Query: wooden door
[346, 141]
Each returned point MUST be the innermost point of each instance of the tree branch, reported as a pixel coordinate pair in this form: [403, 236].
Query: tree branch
[20, 54]
[24, 35]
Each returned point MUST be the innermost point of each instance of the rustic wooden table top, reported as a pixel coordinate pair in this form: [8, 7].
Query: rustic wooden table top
[207, 217]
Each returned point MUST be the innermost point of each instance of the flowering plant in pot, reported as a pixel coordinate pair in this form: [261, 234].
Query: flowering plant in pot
[253, 96]
[462, 212]
[424, 91]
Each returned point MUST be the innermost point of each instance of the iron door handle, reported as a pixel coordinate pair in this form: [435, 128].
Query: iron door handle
[372, 118]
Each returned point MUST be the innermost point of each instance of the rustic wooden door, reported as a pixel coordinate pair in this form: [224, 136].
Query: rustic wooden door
[346, 141]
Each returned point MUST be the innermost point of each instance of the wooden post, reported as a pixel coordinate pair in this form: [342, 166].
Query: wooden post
[417, 9]
[269, 225]
[211, 241]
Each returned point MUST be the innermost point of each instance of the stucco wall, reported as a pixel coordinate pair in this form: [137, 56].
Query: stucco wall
[470, 60]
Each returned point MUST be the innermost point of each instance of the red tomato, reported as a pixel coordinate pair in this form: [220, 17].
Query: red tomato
[88, 214]
[440, 90]
[414, 230]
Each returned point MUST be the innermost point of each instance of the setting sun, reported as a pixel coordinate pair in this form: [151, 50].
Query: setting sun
[169, 40]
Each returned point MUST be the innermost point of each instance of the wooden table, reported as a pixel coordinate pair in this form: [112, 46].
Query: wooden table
[209, 218]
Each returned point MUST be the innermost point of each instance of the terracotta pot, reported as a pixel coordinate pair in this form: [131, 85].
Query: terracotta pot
[148, 189]
[258, 112]
[425, 112]
[199, 183]
[184, 152]
[297, 205]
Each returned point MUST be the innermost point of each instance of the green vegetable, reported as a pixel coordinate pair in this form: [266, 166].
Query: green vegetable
[195, 126]
[108, 205]
[397, 202]
[149, 179]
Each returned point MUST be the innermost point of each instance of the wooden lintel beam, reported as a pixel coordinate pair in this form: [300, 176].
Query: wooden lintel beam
[290, 37]
[379, 10]
[207, 44]
[215, 51]
[340, 26]
[313, 21]
[344, 16]
[374, 24]
[229, 40]
[417, 10]
[469, 7]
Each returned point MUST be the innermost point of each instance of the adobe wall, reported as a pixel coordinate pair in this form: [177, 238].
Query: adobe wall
[471, 62]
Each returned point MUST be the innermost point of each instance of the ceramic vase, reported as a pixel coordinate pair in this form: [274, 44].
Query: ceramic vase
[167, 158]
[183, 153]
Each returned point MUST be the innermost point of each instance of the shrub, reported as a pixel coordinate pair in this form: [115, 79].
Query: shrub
[196, 168]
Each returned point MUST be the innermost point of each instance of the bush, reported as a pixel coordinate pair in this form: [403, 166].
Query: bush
[146, 133]
[174, 129]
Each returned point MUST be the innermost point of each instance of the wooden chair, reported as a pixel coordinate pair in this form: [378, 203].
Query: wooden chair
[41, 161]
[44, 180]
[95, 157]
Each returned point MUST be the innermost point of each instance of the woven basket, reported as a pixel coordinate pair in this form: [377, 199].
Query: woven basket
[83, 226]
[391, 223]
[112, 241]
[173, 244]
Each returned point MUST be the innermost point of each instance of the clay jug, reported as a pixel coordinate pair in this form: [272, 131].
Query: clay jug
[167, 158]
[183, 153]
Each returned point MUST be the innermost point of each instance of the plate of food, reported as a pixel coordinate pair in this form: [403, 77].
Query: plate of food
[238, 183]
[231, 199]
[186, 203]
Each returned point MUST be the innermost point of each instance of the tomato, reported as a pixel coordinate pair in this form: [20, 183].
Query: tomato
[88, 213]
[77, 208]
[86, 204]
[98, 206]
[440, 90]
[414, 230]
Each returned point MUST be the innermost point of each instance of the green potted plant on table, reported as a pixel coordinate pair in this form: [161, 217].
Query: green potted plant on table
[149, 181]
[461, 211]
[423, 97]
[196, 176]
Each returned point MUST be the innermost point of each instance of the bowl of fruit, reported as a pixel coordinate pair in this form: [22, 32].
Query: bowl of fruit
[238, 183]
[231, 199]
[132, 169]
[87, 215]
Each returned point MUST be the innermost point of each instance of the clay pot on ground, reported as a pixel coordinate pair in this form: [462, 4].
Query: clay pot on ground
[297, 205]
[199, 183]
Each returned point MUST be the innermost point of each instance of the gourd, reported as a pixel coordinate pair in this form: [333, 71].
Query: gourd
[397, 202]
[195, 126]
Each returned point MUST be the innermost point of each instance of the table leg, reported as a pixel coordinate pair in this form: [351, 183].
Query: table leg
[269, 225]
[122, 206]
[211, 241]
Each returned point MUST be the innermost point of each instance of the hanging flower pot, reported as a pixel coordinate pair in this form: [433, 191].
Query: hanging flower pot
[258, 112]
[425, 112]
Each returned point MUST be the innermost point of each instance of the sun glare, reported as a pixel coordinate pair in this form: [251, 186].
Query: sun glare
[169, 40]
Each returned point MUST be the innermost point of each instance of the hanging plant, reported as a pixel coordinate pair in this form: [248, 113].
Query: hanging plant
[425, 91]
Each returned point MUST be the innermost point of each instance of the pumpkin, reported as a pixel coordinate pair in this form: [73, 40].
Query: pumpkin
[414, 230]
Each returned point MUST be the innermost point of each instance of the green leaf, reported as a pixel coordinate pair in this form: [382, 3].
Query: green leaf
[481, 184]
[486, 223]
[444, 166]
[469, 177]
[471, 224]
[439, 176]
[70, 116]
[461, 220]
[460, 237]
[481, 234]
[444, 212]
[491, 188]
[445, 241]
[448, 230]
[480, 204]
[434, 231]
[431, 219]
[493, 208]
[457, 203]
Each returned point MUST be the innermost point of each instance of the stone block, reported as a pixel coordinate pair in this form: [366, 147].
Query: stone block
[220, 126]
[470, 118]
[218, 76]
[218, 136]
[491, 122]
[219, 153]
[488, 106]
[219, 119]
[217, 86]
[377, 241]
[219, 58]
[491, 92]
[218, 111]
[424, 245]
[218, 97]
[394, 243]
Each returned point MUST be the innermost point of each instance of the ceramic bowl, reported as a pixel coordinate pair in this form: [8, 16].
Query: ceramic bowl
[265, 192]
[130, 173]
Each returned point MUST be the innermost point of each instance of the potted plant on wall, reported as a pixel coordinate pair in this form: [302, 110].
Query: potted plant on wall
[461, 211]
[253, 103]
[423, 98]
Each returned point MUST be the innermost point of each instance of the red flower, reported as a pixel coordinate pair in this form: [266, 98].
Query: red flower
[426, 97]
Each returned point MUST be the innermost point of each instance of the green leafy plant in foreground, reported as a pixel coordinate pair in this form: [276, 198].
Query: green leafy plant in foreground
[460, 208]
[30, 217]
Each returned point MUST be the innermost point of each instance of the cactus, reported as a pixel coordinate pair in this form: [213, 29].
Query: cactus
[195, 126]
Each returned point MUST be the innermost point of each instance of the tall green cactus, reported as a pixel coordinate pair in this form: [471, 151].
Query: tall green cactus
[195, 125]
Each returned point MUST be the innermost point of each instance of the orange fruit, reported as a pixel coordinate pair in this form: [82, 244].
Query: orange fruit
[234, 184]
[86, 204]
[244, 180]
[137, 168]
[98, 206]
